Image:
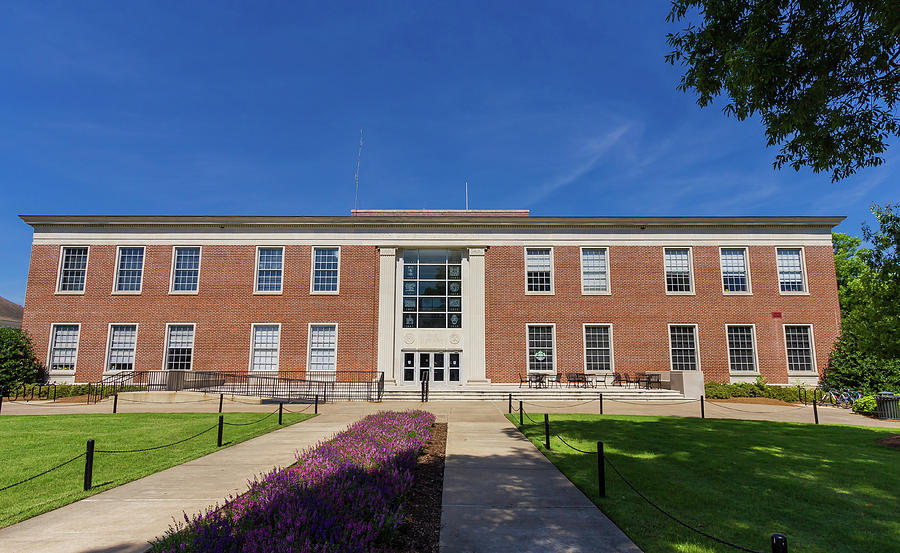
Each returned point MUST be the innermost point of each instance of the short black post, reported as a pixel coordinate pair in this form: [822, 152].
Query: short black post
[88, 465]
[221, 399]
[521, 422]
[702, 408]
[422, 392]
[779, 543]
[815, 410]
[510, 404]
[54, 392]
[316, 411]
[601, 470]
[221, 426]
[547, 430]
[280, 409]
[115, 403]
[601, 403]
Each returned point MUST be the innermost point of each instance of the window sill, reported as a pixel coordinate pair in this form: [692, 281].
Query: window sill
[324, 293]
[550, 293]
[583, 293]
[803, 373]
[794, 293]
[267, 293]
[69, 292]
[183, 292]
[680, 293]
[126, 293]
[737, 293]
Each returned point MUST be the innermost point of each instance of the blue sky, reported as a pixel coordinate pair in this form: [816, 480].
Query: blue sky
[254, 108]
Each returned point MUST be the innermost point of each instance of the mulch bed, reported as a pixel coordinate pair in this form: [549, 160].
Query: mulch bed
[420, 530]
[890, 441]
[757, 400]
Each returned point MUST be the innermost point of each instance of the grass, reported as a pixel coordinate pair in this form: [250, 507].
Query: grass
[30, 444]
[827, 488]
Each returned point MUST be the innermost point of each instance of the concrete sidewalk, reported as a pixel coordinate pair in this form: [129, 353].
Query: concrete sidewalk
[502, 495]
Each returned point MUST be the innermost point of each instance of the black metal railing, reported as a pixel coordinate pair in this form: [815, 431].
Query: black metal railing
[297, 386]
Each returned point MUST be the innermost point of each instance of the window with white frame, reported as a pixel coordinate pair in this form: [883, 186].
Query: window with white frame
[63, 347]
[798, 339]
[741, 348]
[122, 344]
[266, 341]
[326, 269]
[269, 269]
[790, 269]
[180, 347]
[734, 270]
[539, 269]
[323, 347]
[598, 348]
[683, 345]
[72, 269]
[540, 348]
[678, 270]
[594, 271]
[186, 269]
[432, 288]
[130, 269]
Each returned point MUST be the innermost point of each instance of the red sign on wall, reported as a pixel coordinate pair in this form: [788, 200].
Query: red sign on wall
[776, 314]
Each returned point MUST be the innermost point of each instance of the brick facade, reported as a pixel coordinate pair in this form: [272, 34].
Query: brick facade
[639, 310]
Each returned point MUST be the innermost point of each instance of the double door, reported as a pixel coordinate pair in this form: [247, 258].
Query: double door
[438, 367]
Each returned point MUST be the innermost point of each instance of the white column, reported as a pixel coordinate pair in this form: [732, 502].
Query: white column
[387, 286]
[474, 354]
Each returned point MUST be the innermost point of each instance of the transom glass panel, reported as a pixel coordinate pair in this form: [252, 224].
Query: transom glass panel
[432, 288]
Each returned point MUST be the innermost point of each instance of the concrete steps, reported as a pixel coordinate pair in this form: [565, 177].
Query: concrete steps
[531, 394]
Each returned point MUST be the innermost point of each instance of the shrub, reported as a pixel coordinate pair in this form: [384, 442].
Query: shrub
[719, 390]
[17, 361]
[344, 495]
[865, 404]
[849, 368]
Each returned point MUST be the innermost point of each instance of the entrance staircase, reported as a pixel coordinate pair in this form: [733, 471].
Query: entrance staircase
[500, 392]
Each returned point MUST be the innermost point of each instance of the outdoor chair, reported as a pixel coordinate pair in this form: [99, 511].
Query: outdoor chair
[555, 380]
[578, 379]
[524, 380]
[642, 380]
[618, 379]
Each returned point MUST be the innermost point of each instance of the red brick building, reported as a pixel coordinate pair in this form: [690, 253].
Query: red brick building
[457, 297]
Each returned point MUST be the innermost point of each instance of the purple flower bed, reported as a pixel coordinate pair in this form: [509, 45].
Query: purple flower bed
[344, 495]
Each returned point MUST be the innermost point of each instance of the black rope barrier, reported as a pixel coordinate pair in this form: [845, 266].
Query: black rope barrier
[252, 422]
[79, 456]
[155, 447]
[560, 406]
[298, 410]
[573, 447]
[673, 517]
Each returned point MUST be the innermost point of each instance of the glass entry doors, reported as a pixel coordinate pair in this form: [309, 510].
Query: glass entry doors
[438, 367]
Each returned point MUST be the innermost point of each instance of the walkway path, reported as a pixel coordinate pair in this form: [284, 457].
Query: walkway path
[502, 495]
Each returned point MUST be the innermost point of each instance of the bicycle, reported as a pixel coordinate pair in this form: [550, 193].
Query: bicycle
[841, 398]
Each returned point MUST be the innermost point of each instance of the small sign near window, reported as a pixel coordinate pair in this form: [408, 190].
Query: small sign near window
[776, 314]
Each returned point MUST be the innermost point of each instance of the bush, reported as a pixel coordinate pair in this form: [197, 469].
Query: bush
[17, 361]
[790, 394]
[344, 495]
[850, 369]
[865, 404]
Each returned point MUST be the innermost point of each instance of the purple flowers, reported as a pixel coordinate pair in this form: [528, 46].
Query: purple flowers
[344, 495]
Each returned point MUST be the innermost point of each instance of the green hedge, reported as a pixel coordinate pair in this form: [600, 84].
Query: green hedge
[791, 394]
[865, 404]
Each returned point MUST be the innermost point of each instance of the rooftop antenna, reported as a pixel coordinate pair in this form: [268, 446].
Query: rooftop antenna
[467, 195]
[358, 157]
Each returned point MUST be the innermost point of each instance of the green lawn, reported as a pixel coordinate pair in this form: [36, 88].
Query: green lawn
[30, 444]
[827, 488]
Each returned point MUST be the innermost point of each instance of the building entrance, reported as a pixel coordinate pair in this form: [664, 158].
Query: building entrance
[438, 367]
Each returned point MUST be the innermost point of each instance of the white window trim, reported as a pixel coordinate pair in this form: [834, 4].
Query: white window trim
[732, 372]
[312, 272]
[749, 291]
[87, 262]
[812, 349]
[115, 285]
[608, 291]
[136, 326]
[50, 343]
[277, 353]
[802, 249]
[527, 347]
[612, 354]
[256, 290]
[172, 291]
[309, 344]
[552, 271]
[693, 290]
[165, 359]
[696, 345]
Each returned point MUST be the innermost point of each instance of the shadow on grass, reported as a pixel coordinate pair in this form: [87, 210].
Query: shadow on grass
[738, 480]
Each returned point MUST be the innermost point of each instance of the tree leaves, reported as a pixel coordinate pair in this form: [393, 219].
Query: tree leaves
[823, 76]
